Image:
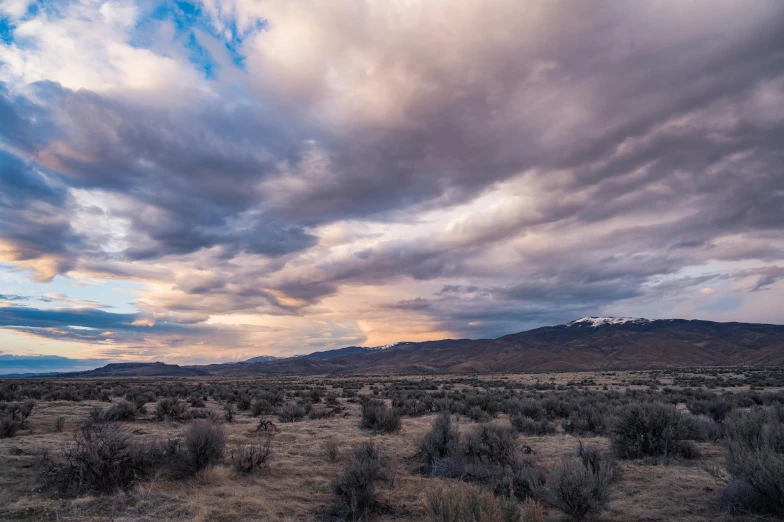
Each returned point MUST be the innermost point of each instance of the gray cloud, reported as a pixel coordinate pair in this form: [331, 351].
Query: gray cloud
[638, 144]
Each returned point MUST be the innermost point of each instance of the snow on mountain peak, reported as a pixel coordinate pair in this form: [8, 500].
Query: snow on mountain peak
[604, 321]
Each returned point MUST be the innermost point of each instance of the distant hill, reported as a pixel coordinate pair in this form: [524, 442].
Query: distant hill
[134, 369]
[590, 343]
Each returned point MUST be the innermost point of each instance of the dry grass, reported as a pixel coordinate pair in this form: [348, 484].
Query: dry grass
[296, 484]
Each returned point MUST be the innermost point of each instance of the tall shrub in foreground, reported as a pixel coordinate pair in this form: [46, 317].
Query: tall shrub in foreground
[647, 430]
[203, 446]
[354, 489]
[103, 458]
[580, 486]
[755, 460]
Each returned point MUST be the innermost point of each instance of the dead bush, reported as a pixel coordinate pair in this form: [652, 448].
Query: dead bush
[252, 458]
[103, 458]
[266, 426]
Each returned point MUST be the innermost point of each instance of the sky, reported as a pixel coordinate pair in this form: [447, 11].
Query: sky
[211, 181]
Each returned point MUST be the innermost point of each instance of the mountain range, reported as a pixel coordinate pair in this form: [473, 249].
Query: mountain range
[590, 343]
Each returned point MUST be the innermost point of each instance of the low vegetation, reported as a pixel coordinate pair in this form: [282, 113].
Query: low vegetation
[702, 444]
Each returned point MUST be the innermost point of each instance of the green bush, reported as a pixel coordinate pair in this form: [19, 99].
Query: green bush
[647, 430]
[376, 416]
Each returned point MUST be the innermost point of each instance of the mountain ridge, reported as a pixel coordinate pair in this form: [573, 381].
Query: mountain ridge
[588, 343]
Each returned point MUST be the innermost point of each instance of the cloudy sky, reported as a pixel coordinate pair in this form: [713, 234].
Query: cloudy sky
[191, 182]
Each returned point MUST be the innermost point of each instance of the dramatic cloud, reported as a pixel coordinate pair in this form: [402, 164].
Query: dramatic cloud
[279, 176]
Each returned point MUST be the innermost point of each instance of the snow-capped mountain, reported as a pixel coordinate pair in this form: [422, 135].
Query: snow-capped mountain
[605, 321]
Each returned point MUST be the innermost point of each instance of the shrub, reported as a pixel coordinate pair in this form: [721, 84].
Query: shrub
[717, 408]
[443, 440]
[580, 486]
[755, 460]
[532, 511]
[469, 503]
[121, 411]
[262, 407]
[376, 416]
[647, 430]
[170, 409]
[228, 412]
[13, 417]
[477, 414]
[266, 426]
[321, 413]
[688, 450]
[702, 428]
[354, 488]
[243, 403]
[495, 443]
[291, 412]
[203, 446]
[526, 408]
[331, 449]
[59, 424]
[528, 426]
[8, 427]
[102, 458]
[251, 458]
[523, 479]
[587, 420]
[739, 497]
